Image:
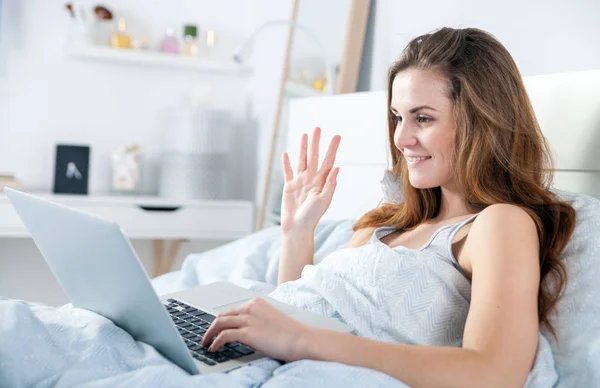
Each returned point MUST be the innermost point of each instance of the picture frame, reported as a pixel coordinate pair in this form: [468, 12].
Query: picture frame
[71, 169]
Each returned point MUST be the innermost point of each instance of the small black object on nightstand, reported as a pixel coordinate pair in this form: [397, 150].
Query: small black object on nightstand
[71, 169]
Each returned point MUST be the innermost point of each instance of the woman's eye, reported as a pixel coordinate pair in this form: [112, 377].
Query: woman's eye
[397, 118]
[423, 119]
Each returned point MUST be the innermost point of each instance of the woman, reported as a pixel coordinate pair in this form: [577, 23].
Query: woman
[475, 170]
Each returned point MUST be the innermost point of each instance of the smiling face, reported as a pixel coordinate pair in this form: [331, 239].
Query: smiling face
[425, 125]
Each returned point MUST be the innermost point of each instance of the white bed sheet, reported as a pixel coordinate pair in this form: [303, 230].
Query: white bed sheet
[251, 262]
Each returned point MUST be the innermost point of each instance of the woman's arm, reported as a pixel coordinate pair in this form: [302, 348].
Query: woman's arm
[500, 337]
[306, 197]
[501, 332]
[297, 252]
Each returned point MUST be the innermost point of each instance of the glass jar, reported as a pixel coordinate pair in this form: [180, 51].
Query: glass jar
[190, 40]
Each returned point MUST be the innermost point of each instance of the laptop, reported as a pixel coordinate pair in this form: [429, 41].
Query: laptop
[98, 269]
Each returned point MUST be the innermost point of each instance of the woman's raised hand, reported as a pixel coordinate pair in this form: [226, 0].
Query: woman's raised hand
[308, 194]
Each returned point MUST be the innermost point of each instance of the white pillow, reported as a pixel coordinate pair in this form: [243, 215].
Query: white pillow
[391, 187]
[577, 318]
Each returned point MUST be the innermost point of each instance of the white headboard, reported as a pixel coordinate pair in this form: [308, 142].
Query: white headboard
[567, 106]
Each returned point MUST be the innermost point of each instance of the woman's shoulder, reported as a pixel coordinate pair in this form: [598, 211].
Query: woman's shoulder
[496, 234]
[503, 215]
[508, 222]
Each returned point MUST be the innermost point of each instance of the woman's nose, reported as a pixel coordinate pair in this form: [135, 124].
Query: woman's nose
[404, 137]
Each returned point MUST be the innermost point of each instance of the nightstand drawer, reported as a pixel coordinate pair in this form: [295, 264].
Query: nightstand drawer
[186, 222]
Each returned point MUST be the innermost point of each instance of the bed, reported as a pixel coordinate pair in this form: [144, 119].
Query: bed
[568, 108]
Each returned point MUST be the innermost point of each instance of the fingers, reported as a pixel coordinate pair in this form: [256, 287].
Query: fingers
[288, 174]
[330, 184]
[330, 155]
[310, 161]
[313, 160]
[302, 158]
[231, 335]
[222, 323]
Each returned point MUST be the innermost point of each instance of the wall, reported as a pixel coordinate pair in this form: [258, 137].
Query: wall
[52, 98]
[543, 36]
[47, 98]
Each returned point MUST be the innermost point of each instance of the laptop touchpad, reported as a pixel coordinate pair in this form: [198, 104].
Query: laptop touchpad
[229, 306]
[278, 305]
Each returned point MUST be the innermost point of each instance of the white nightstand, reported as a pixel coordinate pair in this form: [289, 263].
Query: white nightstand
[150, 218]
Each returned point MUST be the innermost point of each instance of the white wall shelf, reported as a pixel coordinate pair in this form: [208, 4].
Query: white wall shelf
[155, 59]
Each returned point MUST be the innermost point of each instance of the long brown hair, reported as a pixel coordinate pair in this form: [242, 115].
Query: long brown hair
[501, 155]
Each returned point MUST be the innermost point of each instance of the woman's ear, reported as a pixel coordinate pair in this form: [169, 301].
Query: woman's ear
[391, 188]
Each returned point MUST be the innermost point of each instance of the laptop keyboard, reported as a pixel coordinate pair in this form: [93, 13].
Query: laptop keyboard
[192, 324]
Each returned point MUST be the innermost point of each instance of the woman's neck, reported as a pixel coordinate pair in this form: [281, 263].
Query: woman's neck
[453, 206]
